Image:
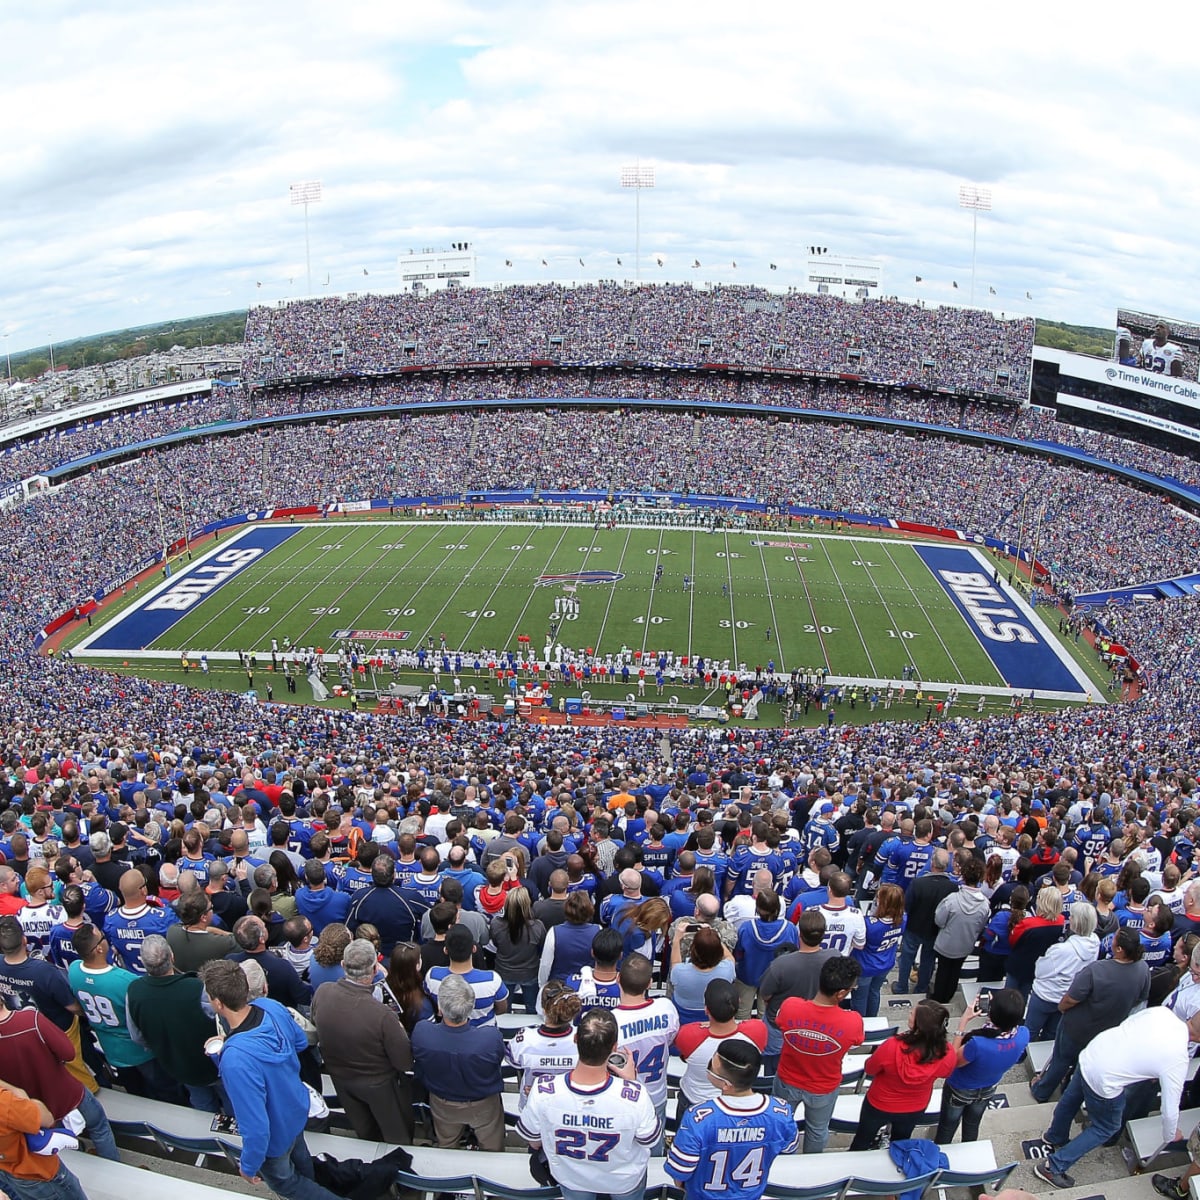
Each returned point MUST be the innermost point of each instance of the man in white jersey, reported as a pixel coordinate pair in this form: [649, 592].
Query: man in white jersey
[595, 1123]
[646, 1028]
[845, 926]
[1160, 354]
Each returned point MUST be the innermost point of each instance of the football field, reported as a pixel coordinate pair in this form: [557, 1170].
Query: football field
[861, 608]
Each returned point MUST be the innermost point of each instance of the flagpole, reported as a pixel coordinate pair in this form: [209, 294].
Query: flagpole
[162, 527]
[1020, 535]
[183, 517]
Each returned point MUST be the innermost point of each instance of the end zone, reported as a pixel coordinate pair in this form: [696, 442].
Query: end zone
[1024, 652]
[168, 602]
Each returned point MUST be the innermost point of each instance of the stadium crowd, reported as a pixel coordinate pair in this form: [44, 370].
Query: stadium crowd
[884, 341]
[326, 887]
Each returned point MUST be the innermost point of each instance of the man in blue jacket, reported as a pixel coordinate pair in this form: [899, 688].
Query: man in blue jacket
[260, 1072]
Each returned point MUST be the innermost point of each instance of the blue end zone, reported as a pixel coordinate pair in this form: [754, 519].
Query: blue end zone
[173, 599]
[1004, 625]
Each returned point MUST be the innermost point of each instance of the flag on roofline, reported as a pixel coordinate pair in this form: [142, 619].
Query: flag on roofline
[954, 283]
[918, 279]
[991, 291]
[696, 263]
[508, 262]
[773, 267]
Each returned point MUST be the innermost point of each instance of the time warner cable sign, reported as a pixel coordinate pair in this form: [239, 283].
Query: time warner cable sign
[172, 599]
[1023, 650]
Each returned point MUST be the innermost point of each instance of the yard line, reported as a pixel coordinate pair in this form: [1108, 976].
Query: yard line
[394, 525]
[962, 678]
[692, 606]
[850, 608]
[732, 614]
[300, 544]
[517, 557]
[612, 589]
[650, 595]
[782, 669]
[501, 530]
[812, 608]
[351, 585]
[533, 591]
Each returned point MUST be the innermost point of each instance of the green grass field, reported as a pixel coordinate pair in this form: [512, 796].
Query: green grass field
[861, 607]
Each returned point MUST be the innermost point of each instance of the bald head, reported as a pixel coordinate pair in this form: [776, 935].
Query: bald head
[133, 885]
[707, 907]
[631, 882]
[764, 881]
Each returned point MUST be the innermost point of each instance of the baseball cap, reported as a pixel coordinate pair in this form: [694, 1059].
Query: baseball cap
[826, 808]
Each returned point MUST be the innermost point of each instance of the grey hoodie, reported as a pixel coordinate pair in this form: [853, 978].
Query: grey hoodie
[961, 918]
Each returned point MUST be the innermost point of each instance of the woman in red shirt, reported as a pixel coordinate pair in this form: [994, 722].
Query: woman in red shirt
[903, 1071]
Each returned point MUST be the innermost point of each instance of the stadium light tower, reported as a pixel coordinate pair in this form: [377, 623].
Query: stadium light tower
[638, 178]
[306, 194]
[977, 199]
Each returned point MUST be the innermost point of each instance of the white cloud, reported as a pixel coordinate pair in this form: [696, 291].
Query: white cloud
[149, 148]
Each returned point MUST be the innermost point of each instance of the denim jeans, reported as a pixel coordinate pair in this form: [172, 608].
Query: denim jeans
[912, 945]
[1107, 1117]
[290, 1174]
[526, 990]
[96, 1126]
[774, 1048]
[818, 1109]
[64, 1186]
[865, 998]
[1042, 1018]
[1063, 1057]
[962, 1106]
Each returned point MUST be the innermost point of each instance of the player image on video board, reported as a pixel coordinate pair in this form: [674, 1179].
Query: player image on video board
[1161, 355]
[1157, 344]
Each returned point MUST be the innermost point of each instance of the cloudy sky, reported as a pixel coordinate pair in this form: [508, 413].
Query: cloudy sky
[148, 149]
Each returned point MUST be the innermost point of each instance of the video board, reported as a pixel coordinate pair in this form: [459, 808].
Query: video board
[1112, 397]
[1158, 344]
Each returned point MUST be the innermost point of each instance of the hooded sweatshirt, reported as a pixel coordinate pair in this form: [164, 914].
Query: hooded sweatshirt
[1061, 963]
[961, 918]
[757, 945]
[261, 1075]
[899, 1082]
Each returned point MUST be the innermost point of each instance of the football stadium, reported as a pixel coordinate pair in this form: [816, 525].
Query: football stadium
[575, 628]
[695, 639]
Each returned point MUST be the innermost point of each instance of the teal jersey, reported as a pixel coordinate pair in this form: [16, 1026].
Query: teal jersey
[101, 995]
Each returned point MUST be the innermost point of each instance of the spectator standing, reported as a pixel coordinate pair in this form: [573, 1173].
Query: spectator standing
[903, 1071]
[700, 1040]
[491, 996]
[981, 1060]
[1149, 1045]
[646, 1029]
[135, 920]
[34, 1054]
[165, 1016]
[921, 900]
[555, 1118]
[817, 1035]
[884, 932]
[797, 974]
[26, 1174]
[459, 1064]
[1101, 996]
[549, 1048]
[260, 1072]
[1056, 969]
[710, 1160]
[960, 918]
[517, 937]
[708, 959]
[366, 1050]
[1032, 937]
[759, 941]
[102, 990]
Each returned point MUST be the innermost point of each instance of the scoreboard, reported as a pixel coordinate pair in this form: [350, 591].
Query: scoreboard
[1125, 401]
